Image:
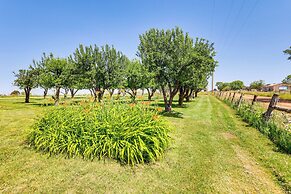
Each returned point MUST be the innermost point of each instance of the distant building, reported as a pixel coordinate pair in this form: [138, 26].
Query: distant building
[277, 87]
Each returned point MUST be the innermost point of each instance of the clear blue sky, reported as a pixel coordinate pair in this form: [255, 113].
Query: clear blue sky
[249, 35]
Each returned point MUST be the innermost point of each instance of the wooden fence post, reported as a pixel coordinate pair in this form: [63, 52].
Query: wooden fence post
[254, 99]
[233, 97]
[272, 105]
[240, 100]
[229, 96]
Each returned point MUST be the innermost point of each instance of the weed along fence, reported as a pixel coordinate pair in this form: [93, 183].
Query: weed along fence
[276, 126]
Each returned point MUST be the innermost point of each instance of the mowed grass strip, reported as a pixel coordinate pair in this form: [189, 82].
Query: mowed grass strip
[211, 151]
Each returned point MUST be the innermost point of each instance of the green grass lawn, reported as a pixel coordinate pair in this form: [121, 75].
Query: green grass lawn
[212, 151]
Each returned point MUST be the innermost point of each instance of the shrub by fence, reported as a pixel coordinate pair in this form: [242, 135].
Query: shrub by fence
[261, 119]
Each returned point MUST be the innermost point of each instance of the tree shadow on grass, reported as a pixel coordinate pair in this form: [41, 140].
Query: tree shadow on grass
[35, 104]
[174, 114]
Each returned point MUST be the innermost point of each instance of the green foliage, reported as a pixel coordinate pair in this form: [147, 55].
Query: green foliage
[135, 77]
[15, 93]
[129, 133]
[175, 60]
[254, 116]
[236, 85]
[26, 79]
[257, 84]
[99, 69]
[223, 86]
[287, 79]
[288, 52]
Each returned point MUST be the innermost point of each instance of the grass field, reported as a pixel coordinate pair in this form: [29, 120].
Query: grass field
[212, 151]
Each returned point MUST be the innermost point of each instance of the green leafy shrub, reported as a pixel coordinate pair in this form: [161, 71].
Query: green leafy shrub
[254, 116]
[129, 133]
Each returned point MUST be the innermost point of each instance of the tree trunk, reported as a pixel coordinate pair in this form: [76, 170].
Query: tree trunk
[151, 93]
[132, 94]
[188, 96]
[57, 96]
[45, 93]
[66, 93]
[91, 92]
[118, 94]
[181, 95]
[111, 92]
[168, 107]
[196, 94]
[73, 92]
[27, 94]
[100, 94]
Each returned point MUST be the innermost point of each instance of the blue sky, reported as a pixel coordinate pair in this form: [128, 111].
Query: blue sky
[249, 35]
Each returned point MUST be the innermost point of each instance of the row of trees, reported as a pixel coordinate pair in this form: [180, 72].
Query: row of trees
[169, 60]
[226, 86]
[238, 85]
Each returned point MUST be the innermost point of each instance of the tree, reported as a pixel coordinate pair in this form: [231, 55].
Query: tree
[55, 72]
[99, 69]
[167, 53]
[288, 52]
[287, 79]
[25, 79]
[43, 80]
[223, 86]
[135, 78]
[257, 85]
[15, 93]
[236, 85]
[220, 85]
[200, 68]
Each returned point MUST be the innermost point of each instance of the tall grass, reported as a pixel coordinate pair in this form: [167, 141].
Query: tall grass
[129, 133]
[276, 132]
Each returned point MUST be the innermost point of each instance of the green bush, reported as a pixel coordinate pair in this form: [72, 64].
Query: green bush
[129, 133]
[254, 116]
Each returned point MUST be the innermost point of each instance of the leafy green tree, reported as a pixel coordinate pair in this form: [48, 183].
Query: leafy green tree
[236, 85]
[15, 93]
[223, 86]
[288, 52]
[43, 80]
[26, 79]
[114, 67]
[168, 54]
[287, 79]
[219, 85]
[257, 84]
[99, 69]
[150, 86]
[55, 71]
[135, 78]
[201, 67]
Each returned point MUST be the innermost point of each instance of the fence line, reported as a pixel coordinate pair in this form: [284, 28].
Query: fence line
[272, 105]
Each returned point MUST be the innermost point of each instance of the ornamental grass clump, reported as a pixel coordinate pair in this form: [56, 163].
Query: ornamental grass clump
[130, 134]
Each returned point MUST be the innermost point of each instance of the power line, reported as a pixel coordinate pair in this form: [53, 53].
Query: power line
[233, 24]
[245, 21]
[227, 18]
